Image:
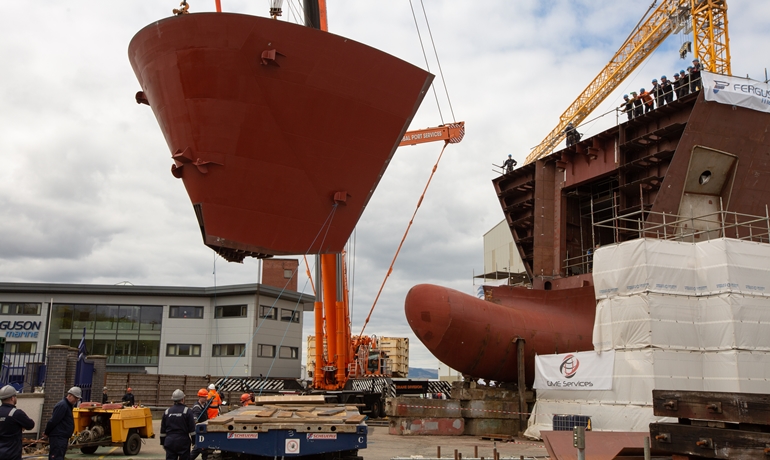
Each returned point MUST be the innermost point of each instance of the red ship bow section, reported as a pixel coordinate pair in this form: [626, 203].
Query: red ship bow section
[279, 132]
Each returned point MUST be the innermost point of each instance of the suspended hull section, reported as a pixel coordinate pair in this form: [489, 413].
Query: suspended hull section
[279, 132]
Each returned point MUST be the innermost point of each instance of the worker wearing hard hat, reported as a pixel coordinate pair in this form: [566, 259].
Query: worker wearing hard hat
[246, 400]
[61, 425]
[668, 89]
[12, 422]
[200, 415]
[128, 398]
[177, 427]
[685, 77]
[695, 76]
[509, 164]
[638, 105]
[628, 106]
[646, 100]
[213, 410]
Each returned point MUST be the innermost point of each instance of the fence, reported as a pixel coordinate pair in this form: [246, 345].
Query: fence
[14, 368]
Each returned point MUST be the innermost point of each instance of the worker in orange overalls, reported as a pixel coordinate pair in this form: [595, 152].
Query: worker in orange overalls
[213, 409]
[246, 400]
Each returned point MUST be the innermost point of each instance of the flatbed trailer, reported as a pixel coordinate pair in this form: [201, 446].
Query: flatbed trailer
[286, 426]
[368, 394]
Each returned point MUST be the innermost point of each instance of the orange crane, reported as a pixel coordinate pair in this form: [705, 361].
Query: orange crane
[350, 356]
[708, 20]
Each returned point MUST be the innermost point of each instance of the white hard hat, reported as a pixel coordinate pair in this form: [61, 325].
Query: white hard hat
[177, 395]
[212, 387]
[76, 392]
[7, 391]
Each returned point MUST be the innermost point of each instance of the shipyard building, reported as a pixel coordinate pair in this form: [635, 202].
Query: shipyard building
[239, 330]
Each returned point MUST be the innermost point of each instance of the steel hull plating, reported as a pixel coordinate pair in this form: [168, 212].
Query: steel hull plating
[279, 132]
[478, 337]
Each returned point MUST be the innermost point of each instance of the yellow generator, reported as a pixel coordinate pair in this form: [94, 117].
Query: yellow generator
[111, 425]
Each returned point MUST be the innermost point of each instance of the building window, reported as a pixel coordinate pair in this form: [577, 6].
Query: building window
[183, 350]
[268, 312]
[289, 315]
[185, 312]
[126, 334]
[266, 351]
[289, 353]
[230, 311]
[20, 309]
[21, 347]
[228, 349]
[287, 273]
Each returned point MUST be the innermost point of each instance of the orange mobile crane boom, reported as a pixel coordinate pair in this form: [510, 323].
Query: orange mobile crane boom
[708, 20]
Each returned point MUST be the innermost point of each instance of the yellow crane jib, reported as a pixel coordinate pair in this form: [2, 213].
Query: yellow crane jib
[708, 20]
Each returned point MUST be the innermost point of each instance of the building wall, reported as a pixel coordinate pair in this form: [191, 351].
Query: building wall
[231, 334]
[500, 252]
[280, 273]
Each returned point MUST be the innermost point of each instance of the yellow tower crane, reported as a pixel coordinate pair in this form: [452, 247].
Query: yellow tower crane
[706, 18]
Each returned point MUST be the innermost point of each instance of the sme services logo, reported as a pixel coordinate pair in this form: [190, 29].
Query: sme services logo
[569, 366]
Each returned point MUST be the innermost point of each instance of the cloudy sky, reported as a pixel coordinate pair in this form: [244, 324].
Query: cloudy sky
[85, 190]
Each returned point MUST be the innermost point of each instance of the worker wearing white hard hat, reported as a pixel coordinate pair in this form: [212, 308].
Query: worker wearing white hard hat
[216, 401]
[177, 427]
[61, 425]
[12, 422]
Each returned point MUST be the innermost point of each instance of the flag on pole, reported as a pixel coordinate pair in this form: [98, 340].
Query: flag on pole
[82, 352]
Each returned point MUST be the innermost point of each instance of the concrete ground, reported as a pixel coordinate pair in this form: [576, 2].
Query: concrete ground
[382, 446]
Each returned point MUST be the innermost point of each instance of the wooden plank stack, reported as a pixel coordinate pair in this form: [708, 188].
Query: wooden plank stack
[300, 413]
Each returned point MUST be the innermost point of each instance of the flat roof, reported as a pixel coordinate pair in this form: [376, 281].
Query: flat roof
[177, 291]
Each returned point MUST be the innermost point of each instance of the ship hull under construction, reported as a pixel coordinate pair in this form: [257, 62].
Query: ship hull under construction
[686, 159]
[279, 132]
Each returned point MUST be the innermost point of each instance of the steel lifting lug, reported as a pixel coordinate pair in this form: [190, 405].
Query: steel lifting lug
[671, 404]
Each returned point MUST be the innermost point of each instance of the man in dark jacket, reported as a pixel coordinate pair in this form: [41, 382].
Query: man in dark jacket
[128, 398]
[668, 90]
[177, 428]
[60, 427]
[657, 93]
[200, 414]
[695, 83]
[12, 422]
[685, 77]
[105, 396]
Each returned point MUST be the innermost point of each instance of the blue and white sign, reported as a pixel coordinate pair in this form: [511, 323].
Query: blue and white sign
[743, 92]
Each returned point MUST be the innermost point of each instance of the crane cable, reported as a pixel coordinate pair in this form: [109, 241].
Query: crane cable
[395, 256]
[438, 61]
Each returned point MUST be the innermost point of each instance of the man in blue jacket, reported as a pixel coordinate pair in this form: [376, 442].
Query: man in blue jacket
[177, 428]
[12, 422]
[60, 427]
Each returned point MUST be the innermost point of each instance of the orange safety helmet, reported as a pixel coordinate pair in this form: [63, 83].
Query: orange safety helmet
[203, 392]
[245, 397]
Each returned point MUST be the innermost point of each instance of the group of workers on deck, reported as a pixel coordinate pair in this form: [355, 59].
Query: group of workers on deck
[637, 104]
[685, 82]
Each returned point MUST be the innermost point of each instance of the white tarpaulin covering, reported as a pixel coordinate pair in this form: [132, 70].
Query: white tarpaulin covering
[742, 92]
[689, 269]
[628, 406]
[679, 316]
[582, 371]
[722, 322]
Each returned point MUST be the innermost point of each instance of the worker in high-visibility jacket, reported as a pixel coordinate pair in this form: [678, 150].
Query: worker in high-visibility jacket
[213, 409]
